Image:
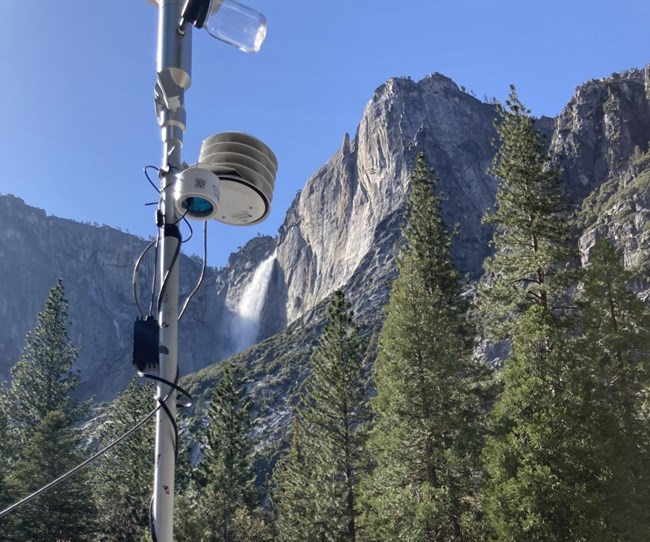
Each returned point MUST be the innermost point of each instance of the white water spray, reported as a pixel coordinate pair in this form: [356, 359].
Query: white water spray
[245, 325]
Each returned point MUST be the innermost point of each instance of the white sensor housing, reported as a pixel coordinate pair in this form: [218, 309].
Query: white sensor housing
[197, 194]
[246, 168]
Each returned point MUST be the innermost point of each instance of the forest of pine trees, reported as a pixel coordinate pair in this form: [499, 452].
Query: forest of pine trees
[411, 437]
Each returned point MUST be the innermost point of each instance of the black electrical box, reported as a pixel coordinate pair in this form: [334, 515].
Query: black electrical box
[146, 335]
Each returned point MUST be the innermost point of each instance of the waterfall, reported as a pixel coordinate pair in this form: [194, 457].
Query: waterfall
[245, 326]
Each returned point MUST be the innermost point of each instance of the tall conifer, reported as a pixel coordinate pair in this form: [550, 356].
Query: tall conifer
[329, 439]
[615, 339]
[227, 500]
[425, 436]
[7, 455]
[42, 417]
[531, 235]
[549, 456]
[42, 379]
[615, 326]
[66, 512]
[123, 476]
[295, 492]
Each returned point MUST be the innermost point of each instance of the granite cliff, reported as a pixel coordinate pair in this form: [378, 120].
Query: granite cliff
[361, 191]
[96, 264]
[342, 230]
[335, 224]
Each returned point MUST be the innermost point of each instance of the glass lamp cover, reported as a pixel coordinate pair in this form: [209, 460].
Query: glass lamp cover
[237, 25]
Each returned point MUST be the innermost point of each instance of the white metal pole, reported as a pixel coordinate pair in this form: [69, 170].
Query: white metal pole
[173, 71]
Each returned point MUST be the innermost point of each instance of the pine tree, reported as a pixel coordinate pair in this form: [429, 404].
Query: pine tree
[548, 458]
[66, 512]
[42, 379]
[41, 419]
[426, 429]
[616, 327]
[295, 492]
[123, 476]
[568, 458]
[615, 340]
[227, 499]
[531, 234]
[328, 443]
[7, 455]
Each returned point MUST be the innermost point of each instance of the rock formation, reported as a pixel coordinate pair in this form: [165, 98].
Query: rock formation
[337, 219]
[342, 230]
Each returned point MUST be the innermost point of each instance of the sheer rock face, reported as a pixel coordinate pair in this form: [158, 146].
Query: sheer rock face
[620, 211]
[96, 265]
[335, 222]
[599, 139]
[597, 131]
[334, 225]
[342, 230]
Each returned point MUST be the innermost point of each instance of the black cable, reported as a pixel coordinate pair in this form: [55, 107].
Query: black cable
[191, 230]
[156, 242]
[144, 252]
[152, 527]
[182, 217]
[173, 262]
[135, 276]
[146, 174]
[203, 267]
[74, 470]
[171, 230]
[176, 253]
[173, 385]
[162, 403]
[154, 278]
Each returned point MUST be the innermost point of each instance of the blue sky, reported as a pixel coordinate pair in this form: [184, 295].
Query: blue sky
[76, 93]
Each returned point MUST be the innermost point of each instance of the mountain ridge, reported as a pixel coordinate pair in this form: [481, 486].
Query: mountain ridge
[341, 230]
